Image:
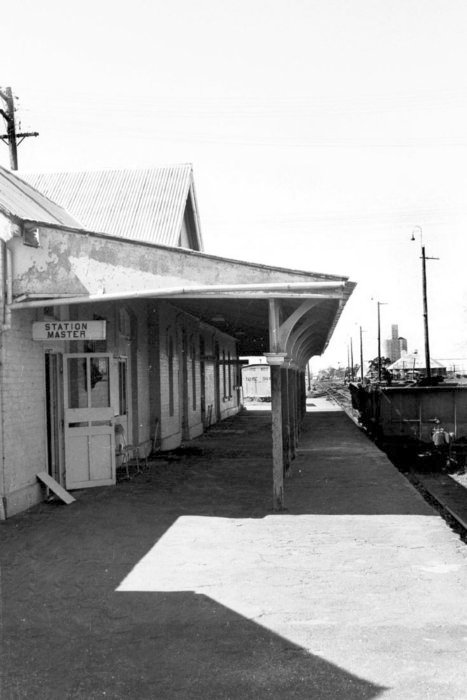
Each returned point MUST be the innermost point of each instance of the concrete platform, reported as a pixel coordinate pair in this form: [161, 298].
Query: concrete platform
[183, 583]
[449, 491]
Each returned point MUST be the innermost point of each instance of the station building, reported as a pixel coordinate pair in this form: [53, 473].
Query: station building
[113, 315]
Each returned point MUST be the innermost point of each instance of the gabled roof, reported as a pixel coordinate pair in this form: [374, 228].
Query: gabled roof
[21, 201]
[141, 205]
[415, 361]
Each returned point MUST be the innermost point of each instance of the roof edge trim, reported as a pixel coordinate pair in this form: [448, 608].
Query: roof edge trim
[320, 288]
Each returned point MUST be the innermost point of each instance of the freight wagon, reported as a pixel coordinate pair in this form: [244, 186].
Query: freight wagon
[256, 382]
[406, 417]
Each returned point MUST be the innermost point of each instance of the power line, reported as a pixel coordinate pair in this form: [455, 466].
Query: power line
[11, 137]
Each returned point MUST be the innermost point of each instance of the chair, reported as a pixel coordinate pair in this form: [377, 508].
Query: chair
[208, 417]
[149, 447]
[124, 450]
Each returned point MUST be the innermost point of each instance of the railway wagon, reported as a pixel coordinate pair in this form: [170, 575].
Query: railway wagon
[256, 382]
[407, 415]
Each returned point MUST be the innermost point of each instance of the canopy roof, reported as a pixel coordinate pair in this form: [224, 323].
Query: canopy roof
[128, 248]
[233, 295]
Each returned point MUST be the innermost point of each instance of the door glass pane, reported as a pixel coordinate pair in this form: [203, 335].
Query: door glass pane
[100, 385]
[77, 383]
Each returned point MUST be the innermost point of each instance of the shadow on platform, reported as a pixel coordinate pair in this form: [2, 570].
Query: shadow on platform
[69, 634]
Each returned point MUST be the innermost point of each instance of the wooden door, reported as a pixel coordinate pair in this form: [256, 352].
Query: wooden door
[88, 421]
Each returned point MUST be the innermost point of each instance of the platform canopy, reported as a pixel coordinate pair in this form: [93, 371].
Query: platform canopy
[78, 267]
[128, 246]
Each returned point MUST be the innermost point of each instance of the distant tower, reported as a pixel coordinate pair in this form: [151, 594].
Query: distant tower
[396, 345]
[402, 346]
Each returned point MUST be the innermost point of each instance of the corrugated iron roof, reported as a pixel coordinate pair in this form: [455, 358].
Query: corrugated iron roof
[143, 205]
[19, 199]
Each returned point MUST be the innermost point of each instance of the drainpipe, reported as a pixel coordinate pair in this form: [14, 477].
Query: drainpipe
[6, 297]
[6, 285]
[9, 289]
[2, 281]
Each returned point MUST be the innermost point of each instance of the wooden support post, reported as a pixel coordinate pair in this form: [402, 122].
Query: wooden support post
[300, 385]
[299, 400]
[293, 401]
[291, 412]
[303, 400]
[276, 409]
[285, 418]
[277, 439]
[297, 403]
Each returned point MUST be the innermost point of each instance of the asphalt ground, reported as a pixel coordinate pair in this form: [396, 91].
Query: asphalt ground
[182, 583]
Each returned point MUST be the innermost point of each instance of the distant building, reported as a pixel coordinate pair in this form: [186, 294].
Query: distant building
[395, 347]
[411, 364]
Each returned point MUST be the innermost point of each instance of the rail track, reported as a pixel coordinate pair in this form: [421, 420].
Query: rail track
[341, 395]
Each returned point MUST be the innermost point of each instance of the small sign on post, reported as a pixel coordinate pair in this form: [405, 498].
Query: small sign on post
[69, 330]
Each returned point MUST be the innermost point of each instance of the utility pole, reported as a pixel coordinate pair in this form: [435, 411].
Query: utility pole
[352, 376]
[379, 342]
[379, 303]
[361, 354]
[11, 137]
[425, 302]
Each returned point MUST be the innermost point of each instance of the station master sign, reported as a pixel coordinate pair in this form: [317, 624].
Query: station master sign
[69, 330]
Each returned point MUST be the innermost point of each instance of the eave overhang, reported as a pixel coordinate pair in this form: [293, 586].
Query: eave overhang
[230, 295]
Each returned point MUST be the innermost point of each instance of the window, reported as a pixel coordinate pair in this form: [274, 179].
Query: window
[77, 383]
[171, 376]
[124, 322]
[193, 372]
[224, 380]
[88, 382]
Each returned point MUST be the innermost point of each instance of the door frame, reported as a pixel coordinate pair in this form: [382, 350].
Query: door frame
[55, 446]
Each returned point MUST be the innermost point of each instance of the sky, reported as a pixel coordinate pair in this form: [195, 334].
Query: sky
[322, 134]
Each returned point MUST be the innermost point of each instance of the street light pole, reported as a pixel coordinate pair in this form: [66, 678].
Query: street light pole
[425, 318]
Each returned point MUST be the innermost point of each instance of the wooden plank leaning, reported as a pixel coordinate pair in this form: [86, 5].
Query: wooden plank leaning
[54, 486]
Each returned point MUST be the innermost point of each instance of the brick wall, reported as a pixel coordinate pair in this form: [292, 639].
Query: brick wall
[24, 419]
[155, 327]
